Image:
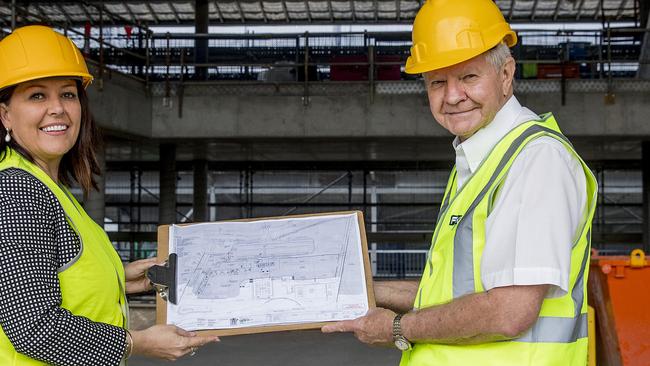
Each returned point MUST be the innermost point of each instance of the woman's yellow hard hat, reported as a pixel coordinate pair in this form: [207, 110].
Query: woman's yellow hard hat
[448, 32]
[35, 52]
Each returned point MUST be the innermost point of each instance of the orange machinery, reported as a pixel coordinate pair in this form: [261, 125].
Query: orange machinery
[619, 290]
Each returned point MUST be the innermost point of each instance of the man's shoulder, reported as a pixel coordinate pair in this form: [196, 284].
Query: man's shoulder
[546, 152]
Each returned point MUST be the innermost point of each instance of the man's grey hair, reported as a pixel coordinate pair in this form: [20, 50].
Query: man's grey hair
[498, 55]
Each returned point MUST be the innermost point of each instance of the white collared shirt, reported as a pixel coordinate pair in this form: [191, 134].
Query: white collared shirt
[530, 231]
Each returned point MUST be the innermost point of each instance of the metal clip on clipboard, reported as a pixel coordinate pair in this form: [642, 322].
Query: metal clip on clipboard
[163, 279]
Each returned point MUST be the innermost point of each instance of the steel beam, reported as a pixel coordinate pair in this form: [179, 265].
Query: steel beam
[329, 7]
[128, 10]
[286, 12]
[65, 13]
[266, 20]
[621, 9]
[153, 13]
[308, 10]
[216, 6]
[533, 10]
[557, 9]
[241, 12]
[580, 6]
[171, 6]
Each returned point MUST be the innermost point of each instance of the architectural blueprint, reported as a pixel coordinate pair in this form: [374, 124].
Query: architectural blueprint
[268, 272]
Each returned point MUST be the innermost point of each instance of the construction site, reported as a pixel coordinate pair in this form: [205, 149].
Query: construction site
[213, 111]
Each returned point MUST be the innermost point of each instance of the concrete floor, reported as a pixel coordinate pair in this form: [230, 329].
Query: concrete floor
[309, 348]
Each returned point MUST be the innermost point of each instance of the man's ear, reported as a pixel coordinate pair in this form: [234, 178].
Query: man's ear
[507, 75]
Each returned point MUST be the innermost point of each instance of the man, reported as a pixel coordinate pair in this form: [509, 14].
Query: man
[505, 280]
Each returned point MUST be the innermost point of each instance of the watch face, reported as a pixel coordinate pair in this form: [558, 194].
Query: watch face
[402, 344]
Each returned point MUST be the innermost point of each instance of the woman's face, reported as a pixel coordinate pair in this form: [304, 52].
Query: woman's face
[44, 117]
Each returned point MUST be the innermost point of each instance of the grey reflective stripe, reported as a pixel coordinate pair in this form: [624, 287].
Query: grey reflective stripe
[556, 330]
[443, 208]
[446, 198]
[563, 330]
[81, 249]
[463, 276]
[577, 294]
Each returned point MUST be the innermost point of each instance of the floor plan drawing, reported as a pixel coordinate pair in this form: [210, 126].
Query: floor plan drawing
[268, 272]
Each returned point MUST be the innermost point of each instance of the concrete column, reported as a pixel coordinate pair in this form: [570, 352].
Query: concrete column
[200, 203]
[373, 227]
[644, 57]
[167, 206]
[201, 19]
[95, 204]
[645, 168]
[644, 8]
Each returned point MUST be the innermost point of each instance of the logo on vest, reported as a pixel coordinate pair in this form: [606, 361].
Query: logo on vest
[454, 220]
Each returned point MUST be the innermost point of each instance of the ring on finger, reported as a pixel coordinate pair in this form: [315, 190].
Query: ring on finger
[192, 351]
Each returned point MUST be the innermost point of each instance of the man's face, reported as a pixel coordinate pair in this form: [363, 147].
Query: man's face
[465, 97]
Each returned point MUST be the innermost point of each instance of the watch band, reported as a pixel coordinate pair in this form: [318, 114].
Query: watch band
[400, 341]
[397, 326]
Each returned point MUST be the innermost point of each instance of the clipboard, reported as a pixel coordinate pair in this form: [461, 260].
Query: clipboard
[163, 279]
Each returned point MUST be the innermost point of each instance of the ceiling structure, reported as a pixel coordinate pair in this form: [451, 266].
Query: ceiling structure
[292, 12]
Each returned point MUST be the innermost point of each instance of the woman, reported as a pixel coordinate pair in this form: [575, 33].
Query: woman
[63, 288]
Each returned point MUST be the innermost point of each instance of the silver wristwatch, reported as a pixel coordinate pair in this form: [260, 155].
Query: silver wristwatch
[401, 342]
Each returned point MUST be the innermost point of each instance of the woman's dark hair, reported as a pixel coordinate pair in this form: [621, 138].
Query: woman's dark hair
[80, 163]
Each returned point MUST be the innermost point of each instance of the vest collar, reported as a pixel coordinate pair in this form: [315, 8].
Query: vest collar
[471, 152]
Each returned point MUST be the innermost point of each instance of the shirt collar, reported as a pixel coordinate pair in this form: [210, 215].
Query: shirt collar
[476, 148]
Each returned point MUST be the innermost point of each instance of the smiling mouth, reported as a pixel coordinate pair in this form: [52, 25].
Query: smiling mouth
[54, 128]
[461, 112]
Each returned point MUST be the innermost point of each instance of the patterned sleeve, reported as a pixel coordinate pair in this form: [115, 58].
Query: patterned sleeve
[30, 297]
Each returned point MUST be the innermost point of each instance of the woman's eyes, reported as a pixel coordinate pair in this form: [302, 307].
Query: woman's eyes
[64, 95]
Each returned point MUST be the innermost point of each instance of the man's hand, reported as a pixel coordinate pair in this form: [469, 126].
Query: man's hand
[135, 274]
[375, 328]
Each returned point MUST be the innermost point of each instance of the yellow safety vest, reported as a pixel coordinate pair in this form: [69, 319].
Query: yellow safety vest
[92, 284]
[453, 269]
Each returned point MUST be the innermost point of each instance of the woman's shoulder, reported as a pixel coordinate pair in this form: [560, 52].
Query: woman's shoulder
[19, 185]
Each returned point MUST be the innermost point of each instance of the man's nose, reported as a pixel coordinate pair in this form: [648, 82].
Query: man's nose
[454, 92]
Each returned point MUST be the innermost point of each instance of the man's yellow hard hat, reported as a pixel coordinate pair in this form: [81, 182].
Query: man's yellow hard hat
[448, 32]
[35, 52]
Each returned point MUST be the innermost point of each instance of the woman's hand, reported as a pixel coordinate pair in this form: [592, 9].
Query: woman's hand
[135, 274]
[168, 342]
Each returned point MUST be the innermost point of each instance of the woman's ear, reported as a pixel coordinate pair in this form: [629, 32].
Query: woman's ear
[4, 115]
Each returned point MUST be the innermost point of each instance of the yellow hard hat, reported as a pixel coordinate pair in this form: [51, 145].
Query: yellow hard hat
[35, 52]
[448, 32]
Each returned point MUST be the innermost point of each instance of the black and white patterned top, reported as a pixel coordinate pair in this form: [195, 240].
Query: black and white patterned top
[35, 241]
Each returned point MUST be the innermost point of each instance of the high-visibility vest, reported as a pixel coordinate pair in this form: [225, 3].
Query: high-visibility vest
[559, 336]
[92, 284]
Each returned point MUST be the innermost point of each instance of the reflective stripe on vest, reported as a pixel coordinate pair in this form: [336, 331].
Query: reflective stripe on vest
[561, 321]
[92, 284]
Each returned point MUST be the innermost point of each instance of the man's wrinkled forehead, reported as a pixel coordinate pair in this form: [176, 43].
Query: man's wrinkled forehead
[470, 66]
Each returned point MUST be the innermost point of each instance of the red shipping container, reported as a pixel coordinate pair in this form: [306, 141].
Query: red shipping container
[360, 72]
[389, 72]
[554, 71]
[349, 72]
